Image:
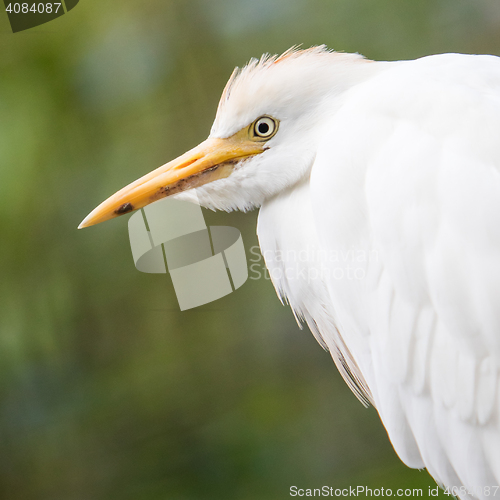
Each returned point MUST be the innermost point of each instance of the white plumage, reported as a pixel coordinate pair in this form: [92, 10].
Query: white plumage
[380, 225]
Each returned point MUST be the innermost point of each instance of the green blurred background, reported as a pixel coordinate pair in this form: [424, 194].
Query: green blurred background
[107, 390]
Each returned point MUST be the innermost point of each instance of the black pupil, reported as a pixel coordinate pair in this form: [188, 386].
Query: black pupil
[263, 128]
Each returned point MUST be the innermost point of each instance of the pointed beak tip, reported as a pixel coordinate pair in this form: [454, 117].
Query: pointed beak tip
[85, 222]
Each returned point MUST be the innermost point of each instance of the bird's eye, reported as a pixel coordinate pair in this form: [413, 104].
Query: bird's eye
[264, 128]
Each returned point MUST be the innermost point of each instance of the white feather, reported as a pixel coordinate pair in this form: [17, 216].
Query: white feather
[380, 225]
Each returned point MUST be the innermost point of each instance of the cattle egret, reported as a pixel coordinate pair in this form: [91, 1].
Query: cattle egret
[379, 192]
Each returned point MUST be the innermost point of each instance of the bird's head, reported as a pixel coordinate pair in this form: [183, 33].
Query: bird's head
[263, 139]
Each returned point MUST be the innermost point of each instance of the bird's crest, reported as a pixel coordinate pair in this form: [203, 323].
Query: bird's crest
[268, 61]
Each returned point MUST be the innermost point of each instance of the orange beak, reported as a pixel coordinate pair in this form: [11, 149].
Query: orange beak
[213, 159]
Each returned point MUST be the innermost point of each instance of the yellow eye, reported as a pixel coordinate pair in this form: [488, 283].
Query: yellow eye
[264, 128]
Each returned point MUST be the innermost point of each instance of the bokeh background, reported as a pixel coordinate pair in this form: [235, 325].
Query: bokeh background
[107, 390]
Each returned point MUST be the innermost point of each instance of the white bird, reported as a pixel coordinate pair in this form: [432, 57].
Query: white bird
[379, 192]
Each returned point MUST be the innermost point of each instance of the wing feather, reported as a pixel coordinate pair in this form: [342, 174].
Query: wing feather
[409, 170]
